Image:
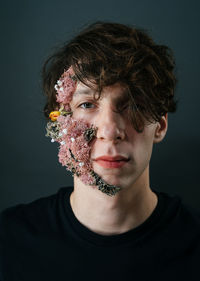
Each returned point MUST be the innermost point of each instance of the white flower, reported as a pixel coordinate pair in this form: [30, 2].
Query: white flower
[59, 83]
[62, 142]
[61, 89]
[64, 131]
[56, 87]
[52, 140]
[72, 139]
[60, 134]
[81, 164]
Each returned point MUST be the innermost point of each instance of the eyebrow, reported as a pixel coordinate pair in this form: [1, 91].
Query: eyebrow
[83, 92]
[89, 92]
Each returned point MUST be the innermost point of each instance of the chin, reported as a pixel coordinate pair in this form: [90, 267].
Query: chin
[112, 179]
[115, 177]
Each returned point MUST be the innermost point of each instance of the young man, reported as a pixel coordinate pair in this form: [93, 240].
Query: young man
[109, 92]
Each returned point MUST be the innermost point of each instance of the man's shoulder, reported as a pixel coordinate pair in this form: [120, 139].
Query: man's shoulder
[37, 213]
[189, 214]
[177, 212]
[183, 216]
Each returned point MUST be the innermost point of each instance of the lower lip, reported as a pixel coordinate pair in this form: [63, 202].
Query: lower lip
[111, 164]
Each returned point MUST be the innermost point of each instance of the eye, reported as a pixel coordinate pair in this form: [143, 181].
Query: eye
[86, 105]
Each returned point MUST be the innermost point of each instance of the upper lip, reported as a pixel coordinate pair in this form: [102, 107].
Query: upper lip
[112, 158]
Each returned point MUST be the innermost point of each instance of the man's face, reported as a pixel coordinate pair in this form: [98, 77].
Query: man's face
[126, 153]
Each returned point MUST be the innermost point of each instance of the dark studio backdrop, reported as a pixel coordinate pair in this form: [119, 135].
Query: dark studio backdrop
[30, 31]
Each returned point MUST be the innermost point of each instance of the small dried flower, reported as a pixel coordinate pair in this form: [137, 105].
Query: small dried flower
[53, 129]
[59, 83]
[54, 115]
[90, 134]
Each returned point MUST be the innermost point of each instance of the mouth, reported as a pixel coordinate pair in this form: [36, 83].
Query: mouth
[110, 162]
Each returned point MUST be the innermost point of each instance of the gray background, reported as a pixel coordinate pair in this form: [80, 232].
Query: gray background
[30, 31]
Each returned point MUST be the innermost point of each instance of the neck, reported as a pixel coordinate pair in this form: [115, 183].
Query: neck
[108, 215]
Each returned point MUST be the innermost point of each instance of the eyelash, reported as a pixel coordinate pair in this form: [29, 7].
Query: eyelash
[88, 103]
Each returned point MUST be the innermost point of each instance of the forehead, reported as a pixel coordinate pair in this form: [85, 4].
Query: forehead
[114, 91]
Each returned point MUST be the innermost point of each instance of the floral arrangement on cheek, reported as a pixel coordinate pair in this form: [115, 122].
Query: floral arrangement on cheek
[74, 136]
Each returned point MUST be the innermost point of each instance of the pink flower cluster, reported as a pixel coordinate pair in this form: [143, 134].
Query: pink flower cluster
[65, 88]
[74, 152]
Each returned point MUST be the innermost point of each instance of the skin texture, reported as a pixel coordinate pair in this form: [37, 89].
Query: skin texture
[115, 136]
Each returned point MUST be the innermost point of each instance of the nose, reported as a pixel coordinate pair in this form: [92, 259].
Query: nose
[111, 126]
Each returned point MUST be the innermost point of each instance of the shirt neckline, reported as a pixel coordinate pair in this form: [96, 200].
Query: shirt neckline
[132, 235]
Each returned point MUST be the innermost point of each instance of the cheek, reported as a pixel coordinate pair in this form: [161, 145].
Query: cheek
[140, 144]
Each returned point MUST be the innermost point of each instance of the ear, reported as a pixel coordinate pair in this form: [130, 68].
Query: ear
[161, 129]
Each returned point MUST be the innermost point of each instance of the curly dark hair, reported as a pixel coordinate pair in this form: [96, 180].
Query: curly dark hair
[105, 53]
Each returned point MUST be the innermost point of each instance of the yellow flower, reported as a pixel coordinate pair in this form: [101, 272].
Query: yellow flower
[54, 115]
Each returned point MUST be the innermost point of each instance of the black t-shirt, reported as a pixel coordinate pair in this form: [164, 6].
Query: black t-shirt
[43, 240]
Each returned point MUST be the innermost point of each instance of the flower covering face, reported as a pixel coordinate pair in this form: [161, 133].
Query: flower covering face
[74, 136]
